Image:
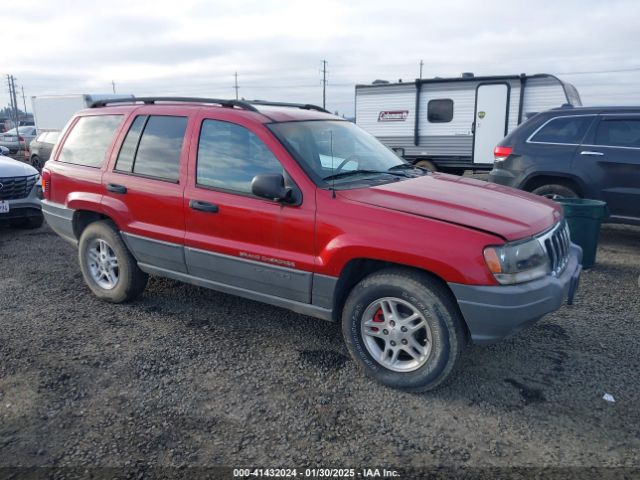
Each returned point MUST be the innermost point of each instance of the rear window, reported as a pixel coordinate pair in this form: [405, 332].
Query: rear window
[89, 140]
[440, 110]
[568, 130]
[153, 147]
[619, 133]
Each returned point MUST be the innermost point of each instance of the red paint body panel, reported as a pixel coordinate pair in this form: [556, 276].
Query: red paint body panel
[439, 223]
[465, 201]
[248, 226]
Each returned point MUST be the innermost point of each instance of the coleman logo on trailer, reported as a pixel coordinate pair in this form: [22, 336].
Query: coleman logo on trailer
[393, 116]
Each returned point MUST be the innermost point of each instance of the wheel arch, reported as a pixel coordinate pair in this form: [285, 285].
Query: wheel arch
[83, 218]
[358, 268]
[539, 179]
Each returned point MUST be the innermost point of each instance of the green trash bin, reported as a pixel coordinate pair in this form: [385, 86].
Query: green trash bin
[584, 217]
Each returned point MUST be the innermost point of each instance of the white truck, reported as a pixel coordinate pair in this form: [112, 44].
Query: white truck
[453, 124]
[52, 112]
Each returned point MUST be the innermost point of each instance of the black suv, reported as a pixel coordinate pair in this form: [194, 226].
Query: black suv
[589, 152]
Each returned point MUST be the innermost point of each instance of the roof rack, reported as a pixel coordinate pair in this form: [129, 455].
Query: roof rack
[243, 104]
[153, 100]
[304, 106]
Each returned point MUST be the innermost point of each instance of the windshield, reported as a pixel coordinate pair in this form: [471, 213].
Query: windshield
[337, 150]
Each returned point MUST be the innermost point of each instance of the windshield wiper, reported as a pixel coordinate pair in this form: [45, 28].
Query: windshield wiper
[407, 166]
[363, 172]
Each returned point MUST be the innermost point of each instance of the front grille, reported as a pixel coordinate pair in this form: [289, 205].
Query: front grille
[557, 243]
[12, 188]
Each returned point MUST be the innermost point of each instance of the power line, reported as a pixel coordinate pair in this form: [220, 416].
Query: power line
[621, 70]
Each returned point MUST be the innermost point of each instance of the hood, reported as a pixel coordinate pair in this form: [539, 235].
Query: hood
[14, 168]
[509, 213]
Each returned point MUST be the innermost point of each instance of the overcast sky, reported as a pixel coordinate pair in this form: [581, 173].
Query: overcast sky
[193, 47]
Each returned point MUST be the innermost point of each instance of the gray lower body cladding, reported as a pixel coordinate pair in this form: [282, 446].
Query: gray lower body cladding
[60, 219]
[496, 312]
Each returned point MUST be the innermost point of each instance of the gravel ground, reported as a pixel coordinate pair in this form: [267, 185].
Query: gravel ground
[189, 377]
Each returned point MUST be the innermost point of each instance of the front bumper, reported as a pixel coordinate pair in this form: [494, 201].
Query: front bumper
[26, 207]
[496, 312]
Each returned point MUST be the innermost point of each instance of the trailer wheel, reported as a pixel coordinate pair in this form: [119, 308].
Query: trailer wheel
[427, 165]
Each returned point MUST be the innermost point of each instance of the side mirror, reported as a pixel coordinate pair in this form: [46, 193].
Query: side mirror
[271, 186]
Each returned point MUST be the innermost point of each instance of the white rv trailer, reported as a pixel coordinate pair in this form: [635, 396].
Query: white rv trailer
[455, 123]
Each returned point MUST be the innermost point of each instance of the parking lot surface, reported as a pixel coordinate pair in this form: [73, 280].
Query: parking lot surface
[187, 376]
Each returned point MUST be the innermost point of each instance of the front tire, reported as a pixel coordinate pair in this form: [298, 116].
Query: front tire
[404, 329]
[30, 223]
[108, 268]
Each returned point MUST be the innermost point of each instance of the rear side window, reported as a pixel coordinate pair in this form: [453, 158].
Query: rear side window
[568, 130]
[89, 140]
[229, 156]
[153, 146]
[619, 133]
[440, 110]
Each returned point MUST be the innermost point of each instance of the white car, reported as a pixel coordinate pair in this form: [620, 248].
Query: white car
[20, 193]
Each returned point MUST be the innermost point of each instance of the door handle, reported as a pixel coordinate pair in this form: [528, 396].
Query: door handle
[115, 188]
[591, 153]
[203, 206]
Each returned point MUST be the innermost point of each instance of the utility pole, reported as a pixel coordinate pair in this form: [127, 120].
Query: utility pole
[24, 101]
[324, 83]
[15, 101]
[12, 97]
[236, 84]
[113, 86]
[421, 64]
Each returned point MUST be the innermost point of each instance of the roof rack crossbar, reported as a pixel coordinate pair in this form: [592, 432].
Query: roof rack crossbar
[304, 106]
[152, 100]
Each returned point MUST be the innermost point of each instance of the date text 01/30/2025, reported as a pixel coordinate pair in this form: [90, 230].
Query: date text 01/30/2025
[315, 473]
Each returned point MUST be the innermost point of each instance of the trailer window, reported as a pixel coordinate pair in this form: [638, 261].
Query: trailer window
[440, 110]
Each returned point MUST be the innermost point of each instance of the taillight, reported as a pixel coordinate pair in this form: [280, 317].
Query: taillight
[45, 179]
[501, 153]
[20, 138]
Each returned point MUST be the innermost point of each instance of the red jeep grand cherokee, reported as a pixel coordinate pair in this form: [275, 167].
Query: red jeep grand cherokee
[292, 206]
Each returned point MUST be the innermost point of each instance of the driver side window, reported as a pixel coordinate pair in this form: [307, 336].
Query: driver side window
[229, 156]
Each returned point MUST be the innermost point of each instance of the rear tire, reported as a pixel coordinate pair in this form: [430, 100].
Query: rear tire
[108, 268]
[555, 191]
[426, 355]
[426, 164]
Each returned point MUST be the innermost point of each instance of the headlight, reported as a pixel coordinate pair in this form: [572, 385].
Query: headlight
[517, 262]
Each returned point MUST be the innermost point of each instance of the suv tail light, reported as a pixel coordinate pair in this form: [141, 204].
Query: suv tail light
[20, 138]
[501, 153]
[46, 184]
